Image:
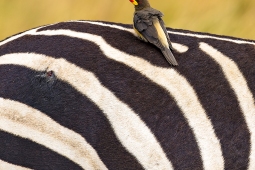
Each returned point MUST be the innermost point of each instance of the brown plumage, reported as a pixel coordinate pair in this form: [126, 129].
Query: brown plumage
[151, 28]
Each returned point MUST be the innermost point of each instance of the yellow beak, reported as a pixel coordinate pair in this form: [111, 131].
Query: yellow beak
[134, 2]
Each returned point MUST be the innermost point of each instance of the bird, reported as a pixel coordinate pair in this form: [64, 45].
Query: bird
[150, 27]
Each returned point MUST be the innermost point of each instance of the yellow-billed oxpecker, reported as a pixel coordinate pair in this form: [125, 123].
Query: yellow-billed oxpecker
[149, 26]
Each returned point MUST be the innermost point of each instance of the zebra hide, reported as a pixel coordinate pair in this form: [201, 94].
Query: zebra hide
[91, 95]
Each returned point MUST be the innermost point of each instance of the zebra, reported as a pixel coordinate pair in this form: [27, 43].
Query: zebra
[84, 95]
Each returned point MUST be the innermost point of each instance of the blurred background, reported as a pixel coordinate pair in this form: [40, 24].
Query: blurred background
[229, 17]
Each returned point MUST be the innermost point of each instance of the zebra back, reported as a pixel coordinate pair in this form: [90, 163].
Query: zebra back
[90, 95]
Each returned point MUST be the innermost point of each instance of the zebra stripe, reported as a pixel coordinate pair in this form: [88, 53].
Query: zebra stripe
[242, 91]
[209, 144]
[6, 165]
[142, 144]
[20, 120]
[179, 88]
[172, 32]
[178, 47]
[206, 117]
[212, 37]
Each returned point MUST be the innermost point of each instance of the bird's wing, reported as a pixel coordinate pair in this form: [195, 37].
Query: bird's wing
[165, 30]
[143, 23]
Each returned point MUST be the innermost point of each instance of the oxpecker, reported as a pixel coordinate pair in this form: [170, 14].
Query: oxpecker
[149, 27]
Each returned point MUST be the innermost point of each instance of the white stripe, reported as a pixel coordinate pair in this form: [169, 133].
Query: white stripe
[241, 89]
[108, 25]
[177, 86]
[22, 34]
[8, 166]
[128, 127]
[180, 47]
[173, 32]
[212, 37]
[24, 121]
[17, 36]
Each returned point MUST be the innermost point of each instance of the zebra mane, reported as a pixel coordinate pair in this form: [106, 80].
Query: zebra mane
[91, 95]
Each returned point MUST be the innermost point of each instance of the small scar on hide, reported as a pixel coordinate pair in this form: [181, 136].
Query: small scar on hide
[47, 77]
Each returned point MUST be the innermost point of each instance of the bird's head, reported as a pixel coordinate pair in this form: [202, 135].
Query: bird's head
[140, 4]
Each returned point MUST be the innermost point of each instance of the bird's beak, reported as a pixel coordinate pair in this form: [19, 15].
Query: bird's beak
[134, 2]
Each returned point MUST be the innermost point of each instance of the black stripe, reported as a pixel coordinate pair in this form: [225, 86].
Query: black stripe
[218, 99]
[122, 40]
[243, 56]
[70, 109]
[26, 153]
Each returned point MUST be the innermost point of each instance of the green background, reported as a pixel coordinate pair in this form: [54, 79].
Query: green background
[225, 17]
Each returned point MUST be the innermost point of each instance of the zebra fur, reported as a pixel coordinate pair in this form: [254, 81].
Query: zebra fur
[126, 108]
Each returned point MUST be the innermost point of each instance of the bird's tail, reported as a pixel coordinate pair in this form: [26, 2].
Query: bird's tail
[169, 57]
